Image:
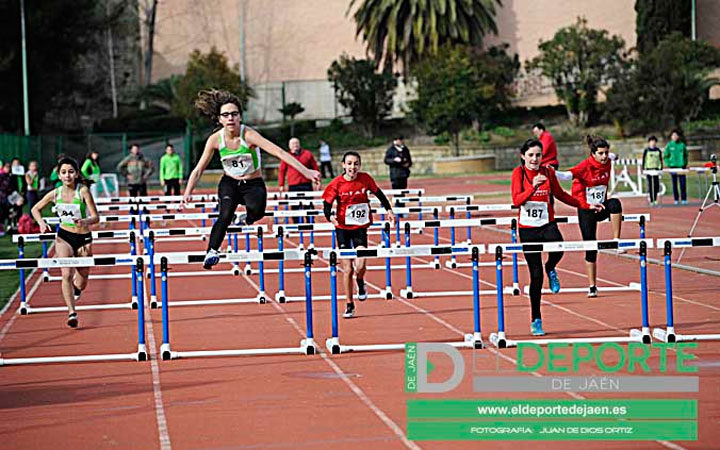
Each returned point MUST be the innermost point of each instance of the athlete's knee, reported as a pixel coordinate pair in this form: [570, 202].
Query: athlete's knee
[614, 206]
[591, 256]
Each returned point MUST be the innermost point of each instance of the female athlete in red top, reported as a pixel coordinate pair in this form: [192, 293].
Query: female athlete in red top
[350, 191]
[533, 191]
[590, 188]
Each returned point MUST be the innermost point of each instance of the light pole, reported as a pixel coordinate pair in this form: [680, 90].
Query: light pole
[26, 105]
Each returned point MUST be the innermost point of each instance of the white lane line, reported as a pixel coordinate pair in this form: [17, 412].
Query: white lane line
[10, 322]
[394, 427]
[162, 425]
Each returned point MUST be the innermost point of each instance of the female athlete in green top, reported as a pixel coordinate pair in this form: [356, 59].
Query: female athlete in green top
[239, 147]
[76, 209]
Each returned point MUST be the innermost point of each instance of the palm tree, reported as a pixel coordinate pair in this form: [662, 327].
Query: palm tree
[403, 31]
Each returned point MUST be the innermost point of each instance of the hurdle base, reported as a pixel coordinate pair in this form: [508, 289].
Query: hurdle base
[315, 298]
[236, 270]
[51, 309]
[153, 302]
[134, 302]
[407, 293]
[248, 269]
[280, 296]
[451, 264]
[436, 265]
[665, 335]
[308, 346]
[498, 339]
[23, 309]
[642, 335]
[165, 352]
[387, 292]
[75, 358]
[262, 298]
[474, 340]
[142, 354]
[333, 345]
[516, 289]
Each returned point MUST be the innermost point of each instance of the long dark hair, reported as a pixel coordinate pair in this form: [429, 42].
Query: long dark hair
[74, 164]
[595, 142]
[209, 102]
[527, 145]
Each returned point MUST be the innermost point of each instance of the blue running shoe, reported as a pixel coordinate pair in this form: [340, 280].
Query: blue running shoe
[536, 328]
[554, 281]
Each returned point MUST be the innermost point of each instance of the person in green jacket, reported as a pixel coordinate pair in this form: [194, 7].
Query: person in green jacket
[91, 171]
[171, 171]
[676, 157]
[652, 160]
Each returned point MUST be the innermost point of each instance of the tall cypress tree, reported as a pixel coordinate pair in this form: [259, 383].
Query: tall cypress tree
[656, 19]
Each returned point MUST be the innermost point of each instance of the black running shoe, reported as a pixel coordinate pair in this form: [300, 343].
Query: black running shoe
[72, 320]
[349, 311]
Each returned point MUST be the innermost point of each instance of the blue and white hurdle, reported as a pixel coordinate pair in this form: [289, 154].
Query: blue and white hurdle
[668, 334]
[307, 346]
[471, 340]
[499, 338]
[107, 260]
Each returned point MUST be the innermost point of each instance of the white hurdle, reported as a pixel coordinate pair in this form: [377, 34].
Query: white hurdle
[499, 338]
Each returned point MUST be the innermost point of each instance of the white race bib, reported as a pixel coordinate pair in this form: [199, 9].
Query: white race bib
[357, 214]
[17, 170]
[238, 165]
[534, 214]
[595, 195]
[67, 212]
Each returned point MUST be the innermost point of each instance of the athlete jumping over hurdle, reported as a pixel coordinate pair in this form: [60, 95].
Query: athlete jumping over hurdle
[353, 218]
[76, 208]
[242, 183]
[533, 189]
[590, 189]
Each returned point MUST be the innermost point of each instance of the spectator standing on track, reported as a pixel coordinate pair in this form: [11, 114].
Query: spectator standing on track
[171, 171]
[137, 170]
[91, 171]
[550, 154]
[239, 148]
[325, 159]
[399, 159]
[296, 181]
[353, 218]
[76, 209]
[676, 157]
[534, 188]
[652, 160]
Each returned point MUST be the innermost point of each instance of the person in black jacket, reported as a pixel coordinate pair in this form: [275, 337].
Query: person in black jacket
[399, 160]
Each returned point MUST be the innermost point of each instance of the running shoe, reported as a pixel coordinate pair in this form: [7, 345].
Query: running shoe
[349, 311]
[536, 328]
[241, 219]
[684, 202]
[554, 281]
[592, 291]
[72, 320]
[362, 294]
[211, 259]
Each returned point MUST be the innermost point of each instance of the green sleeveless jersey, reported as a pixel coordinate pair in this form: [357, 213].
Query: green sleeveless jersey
[241, 161]
[67, 212]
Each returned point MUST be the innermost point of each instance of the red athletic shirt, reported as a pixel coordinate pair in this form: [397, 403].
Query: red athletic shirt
[589, 173]
[523, 191]
[549, 150]
[348, 193]
[293, 176]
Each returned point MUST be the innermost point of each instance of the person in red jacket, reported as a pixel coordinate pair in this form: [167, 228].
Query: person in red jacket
[590, 189]
[296, 182]
[550, 156]
[534, 188]
[353, 218]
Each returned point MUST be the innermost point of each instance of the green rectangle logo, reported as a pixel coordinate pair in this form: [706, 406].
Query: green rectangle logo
[411, 367]
[552, 430]
[552, 409]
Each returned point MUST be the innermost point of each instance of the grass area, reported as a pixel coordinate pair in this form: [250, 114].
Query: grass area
[10, 279]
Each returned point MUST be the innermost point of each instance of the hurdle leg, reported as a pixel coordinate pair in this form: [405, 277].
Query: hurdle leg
[407, 292]
[142, 351]
[452, 264]
[469, 229]
[280, 294]
[202, 222]
[436, 239]
[476, 336]
[153, 288]
[248, 266]
[333, 343]
[644, 334]
[388, 274]
[236, 266]
[311, 219]
[23, 297]
[667, 335]
[165, 352]
[498, 339]
[513, 238]
[397, 231]
[308, 344]
[46, 272]
[262, 298]
[133, 275]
